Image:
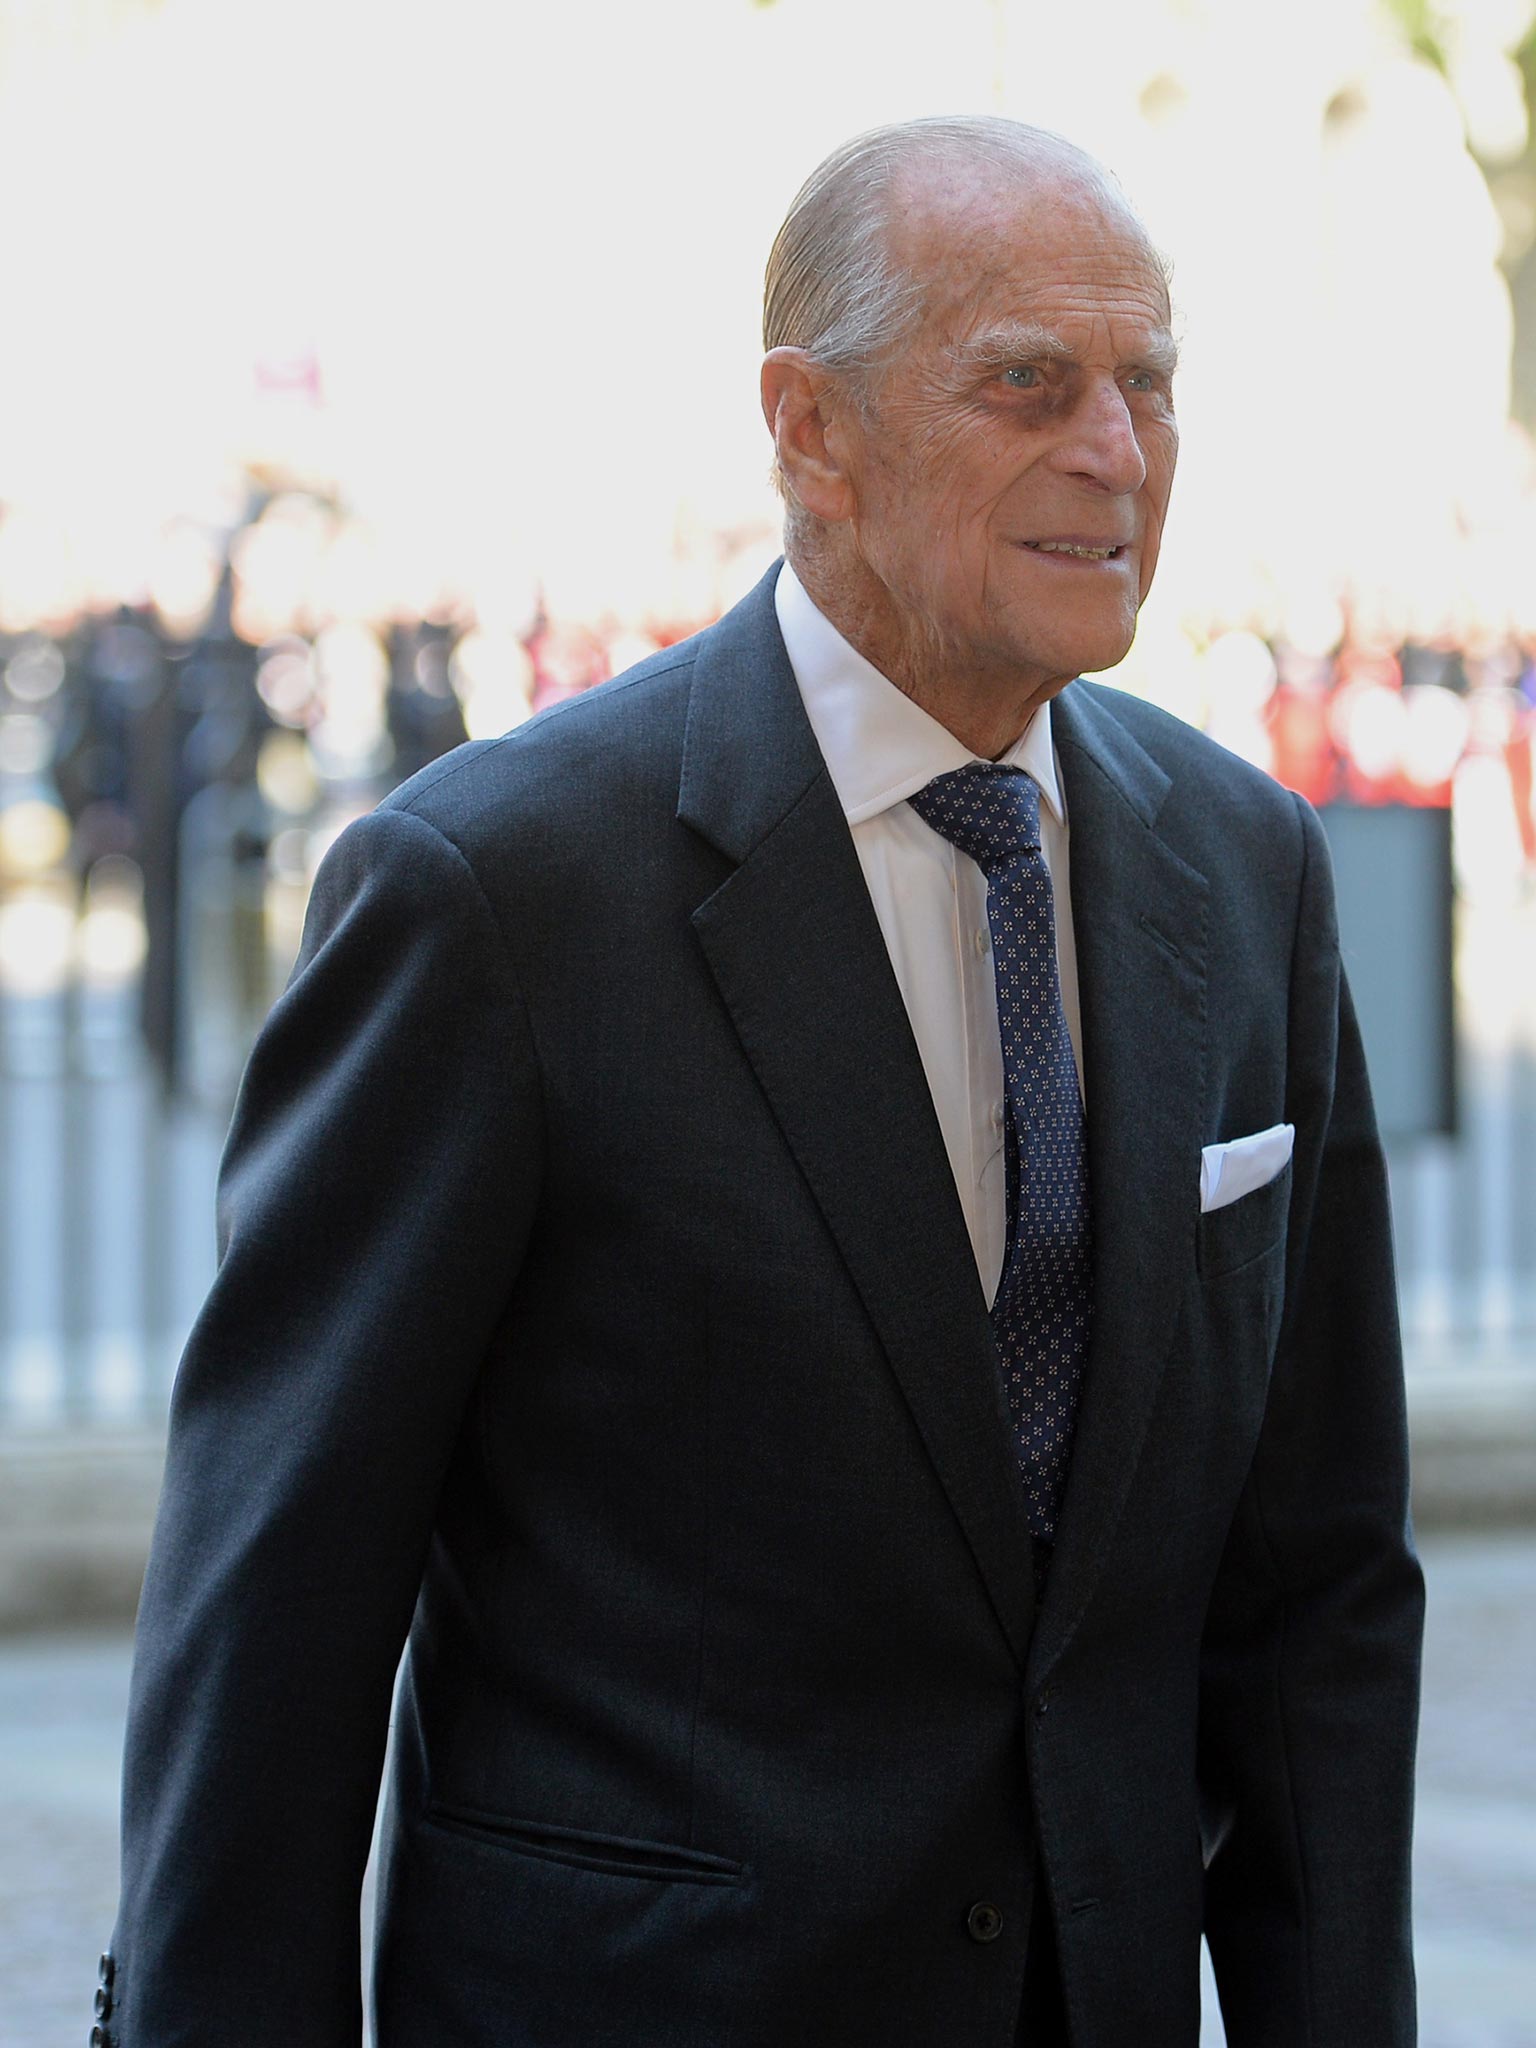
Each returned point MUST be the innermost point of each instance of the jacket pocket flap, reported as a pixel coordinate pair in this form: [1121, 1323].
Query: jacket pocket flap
[616, 1855]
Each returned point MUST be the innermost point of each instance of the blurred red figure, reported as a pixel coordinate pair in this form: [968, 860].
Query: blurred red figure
[567, 659]
[1305, 757]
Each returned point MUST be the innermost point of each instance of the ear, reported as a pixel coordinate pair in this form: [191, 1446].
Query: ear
[808, 416]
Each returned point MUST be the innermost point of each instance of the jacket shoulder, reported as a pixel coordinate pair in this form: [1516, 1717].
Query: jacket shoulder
[1187, 755]
[1210, 789]
[571, 767]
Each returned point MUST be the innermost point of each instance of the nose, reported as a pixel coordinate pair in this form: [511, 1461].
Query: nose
[1101, 446]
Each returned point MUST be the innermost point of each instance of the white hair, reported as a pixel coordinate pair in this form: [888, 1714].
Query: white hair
[831, 286]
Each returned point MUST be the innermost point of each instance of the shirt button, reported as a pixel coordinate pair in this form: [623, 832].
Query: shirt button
[997, 1119]
[983, 940]
[983, 1922]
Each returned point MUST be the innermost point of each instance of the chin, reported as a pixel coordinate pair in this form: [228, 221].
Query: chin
[1109, 656]
[1081, 656]
[1104, 646]
[1080, 645]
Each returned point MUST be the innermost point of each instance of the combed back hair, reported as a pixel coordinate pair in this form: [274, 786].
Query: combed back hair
[832, 286]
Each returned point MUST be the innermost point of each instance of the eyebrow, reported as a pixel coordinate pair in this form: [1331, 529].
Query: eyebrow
[1028, 341]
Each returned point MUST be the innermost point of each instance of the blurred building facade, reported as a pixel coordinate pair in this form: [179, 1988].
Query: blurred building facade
[169, 780]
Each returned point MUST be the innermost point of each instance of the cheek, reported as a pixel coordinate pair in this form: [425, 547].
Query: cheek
[1155, 492]
[923, 513]
[930, 509]
[1151, 545]
[1161, 455]
[956, 470]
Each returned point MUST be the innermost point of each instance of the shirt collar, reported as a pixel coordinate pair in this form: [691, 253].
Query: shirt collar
[879, 746]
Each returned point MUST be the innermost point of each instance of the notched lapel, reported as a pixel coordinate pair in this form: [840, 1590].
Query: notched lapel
[1139, 916]
[797, 954]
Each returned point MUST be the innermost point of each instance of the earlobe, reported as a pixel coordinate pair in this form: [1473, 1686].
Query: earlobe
[804, 407]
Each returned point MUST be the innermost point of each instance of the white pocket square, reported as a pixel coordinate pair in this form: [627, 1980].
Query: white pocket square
[1230, 1171]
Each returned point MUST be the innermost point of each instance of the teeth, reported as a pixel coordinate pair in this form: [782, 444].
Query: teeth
[1063, 547]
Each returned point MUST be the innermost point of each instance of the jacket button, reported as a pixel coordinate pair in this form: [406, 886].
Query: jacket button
[100, 2038]
[103, 2003]
[107, 1968]
[983, 1922]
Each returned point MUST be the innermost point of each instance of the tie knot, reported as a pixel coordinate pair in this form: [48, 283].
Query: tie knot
[990, 813]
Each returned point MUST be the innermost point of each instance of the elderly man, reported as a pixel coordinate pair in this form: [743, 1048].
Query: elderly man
[810, 1231]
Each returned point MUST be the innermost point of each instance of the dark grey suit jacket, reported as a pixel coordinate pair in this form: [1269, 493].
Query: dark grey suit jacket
[597, 1307]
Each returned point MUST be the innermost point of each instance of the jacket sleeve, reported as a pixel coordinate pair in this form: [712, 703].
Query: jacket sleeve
[375, 1199]
[1310, 1671]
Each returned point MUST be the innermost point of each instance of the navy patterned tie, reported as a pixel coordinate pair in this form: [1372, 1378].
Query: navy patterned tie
[1042, 1316]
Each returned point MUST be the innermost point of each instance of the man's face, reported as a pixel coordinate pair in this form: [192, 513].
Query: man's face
[1010, 480]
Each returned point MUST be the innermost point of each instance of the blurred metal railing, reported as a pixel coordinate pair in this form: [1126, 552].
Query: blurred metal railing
[1464, 1212]
[162, 808]
[106, 1189]
[106, 1215]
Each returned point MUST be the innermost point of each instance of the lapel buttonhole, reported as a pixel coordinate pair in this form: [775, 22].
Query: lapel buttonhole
[1161, 938]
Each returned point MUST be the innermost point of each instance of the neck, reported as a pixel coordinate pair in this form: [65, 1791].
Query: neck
[986, 705]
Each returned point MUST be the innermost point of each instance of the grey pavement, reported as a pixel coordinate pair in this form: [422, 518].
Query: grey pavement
[62, 1699]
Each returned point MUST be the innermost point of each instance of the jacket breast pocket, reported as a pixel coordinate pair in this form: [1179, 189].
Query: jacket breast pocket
[1245, 1231]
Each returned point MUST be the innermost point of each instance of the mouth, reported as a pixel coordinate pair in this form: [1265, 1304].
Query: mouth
[1075, 550]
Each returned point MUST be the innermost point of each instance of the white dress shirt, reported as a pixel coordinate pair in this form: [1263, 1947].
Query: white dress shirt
[931, 899]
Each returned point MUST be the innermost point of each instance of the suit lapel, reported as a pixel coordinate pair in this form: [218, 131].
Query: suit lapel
[796, 951]
[1139, 916]
[797, 954]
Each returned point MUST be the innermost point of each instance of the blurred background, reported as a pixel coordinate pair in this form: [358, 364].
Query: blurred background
[370, 378]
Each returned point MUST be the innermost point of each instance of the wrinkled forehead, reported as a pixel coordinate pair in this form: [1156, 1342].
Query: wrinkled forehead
[979, 235]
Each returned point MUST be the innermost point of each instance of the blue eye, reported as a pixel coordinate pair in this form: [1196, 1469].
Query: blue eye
[1022, 376]
[1141, 380]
